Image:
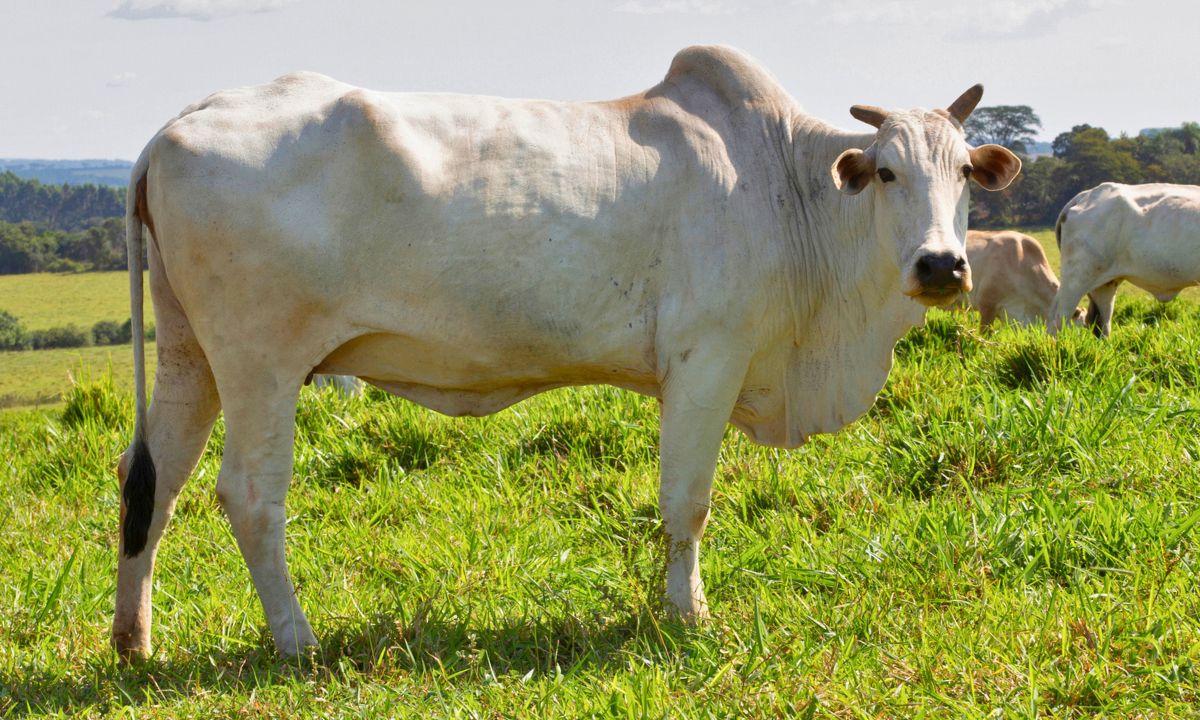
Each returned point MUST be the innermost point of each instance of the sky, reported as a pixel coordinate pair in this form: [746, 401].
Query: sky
[97, 78]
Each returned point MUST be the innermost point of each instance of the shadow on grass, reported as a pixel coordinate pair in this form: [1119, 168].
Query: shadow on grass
[451, 651]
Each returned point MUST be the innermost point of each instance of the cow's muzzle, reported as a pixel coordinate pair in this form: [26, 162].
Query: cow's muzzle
[940, 277]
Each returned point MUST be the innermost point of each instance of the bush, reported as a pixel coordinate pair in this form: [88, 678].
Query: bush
[109, 332]
[13, 336]
[65, 265]
[67, 336]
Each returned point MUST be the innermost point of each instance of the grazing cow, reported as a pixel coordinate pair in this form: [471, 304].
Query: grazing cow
[1146, 234]
[1009, 277]
[704, 242]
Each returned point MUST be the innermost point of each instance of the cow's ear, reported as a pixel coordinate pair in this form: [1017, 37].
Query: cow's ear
[852, 171]
[994, 166]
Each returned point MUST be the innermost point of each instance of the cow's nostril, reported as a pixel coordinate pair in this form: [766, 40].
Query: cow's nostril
[961, 265]
[923, 269]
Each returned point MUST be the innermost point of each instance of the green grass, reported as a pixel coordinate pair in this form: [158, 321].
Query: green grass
[45, 300]
[1009, 532]
[39, 378]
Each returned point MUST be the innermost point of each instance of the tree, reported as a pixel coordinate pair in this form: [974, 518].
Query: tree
[1092, 158]
[1012, 126]
[1062, 142]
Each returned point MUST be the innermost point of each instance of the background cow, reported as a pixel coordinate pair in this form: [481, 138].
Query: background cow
[1010, 277]
[704, 242]
[1146, 234]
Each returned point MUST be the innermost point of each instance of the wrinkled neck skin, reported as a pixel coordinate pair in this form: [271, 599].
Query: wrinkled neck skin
[857, 260]
[847, 307]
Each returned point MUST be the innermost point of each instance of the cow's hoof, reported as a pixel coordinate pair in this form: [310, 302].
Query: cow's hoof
[131, 647]
[297, 643]
[693, 613]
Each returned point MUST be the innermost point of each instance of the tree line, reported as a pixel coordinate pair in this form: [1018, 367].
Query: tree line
[61, 207]
[26, 247]
[1082, 158]
[60, 228]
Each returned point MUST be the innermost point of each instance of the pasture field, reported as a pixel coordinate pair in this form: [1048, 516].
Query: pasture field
[1009, 532]
[46, 300]
[38, 378]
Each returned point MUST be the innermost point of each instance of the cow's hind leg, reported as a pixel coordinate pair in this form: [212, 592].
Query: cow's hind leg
[260, 412]
[698, 396]
[179, 421]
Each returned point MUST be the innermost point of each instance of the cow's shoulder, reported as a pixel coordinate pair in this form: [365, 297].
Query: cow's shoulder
[732, 75]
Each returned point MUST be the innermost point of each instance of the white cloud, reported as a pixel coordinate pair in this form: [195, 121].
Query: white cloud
[121, 79]
[192, 9]
[1000, 17]
[662, 7]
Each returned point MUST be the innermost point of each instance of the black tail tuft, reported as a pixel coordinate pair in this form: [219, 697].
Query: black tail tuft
[139, 499]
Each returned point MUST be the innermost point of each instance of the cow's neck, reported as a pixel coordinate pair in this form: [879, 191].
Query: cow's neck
[838, 257]
[847, 311]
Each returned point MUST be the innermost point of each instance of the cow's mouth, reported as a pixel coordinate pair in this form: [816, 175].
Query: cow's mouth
[938, 296]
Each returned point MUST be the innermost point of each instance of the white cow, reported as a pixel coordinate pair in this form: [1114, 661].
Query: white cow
[704, 242]
[1010, 277]
[1146, 234]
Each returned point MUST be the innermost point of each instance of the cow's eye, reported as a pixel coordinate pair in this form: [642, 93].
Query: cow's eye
[886, 175]
[967, 170]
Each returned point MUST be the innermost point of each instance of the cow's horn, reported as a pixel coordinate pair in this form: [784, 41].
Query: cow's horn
[869, 114]
[962, 108]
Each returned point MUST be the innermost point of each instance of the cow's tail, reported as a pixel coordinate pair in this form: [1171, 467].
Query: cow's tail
[140, 476]
[1062, 219]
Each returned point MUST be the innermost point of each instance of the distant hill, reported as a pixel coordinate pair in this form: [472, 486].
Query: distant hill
[1038, 149]
[113, 173]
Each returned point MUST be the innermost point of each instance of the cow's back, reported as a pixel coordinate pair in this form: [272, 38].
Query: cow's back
[1146, 234]
[483, 242]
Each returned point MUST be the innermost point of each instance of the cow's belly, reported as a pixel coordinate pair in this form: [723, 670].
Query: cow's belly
[472, 379]
[1163, 277]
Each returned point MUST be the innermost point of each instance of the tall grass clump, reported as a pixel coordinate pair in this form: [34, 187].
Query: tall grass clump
[96, 402]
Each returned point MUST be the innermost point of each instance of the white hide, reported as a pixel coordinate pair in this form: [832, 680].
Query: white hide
[466, 252]
[1010, 276]
[1148, 235]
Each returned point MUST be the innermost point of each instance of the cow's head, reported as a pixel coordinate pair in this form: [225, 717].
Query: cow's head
[918, 169]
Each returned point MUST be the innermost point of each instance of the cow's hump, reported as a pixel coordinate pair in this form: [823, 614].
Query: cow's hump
[732, 74]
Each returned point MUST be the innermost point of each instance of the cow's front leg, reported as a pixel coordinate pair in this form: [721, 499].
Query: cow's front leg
[255, 474]
[1063, 306]
[698, 396]
[1100, 308]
